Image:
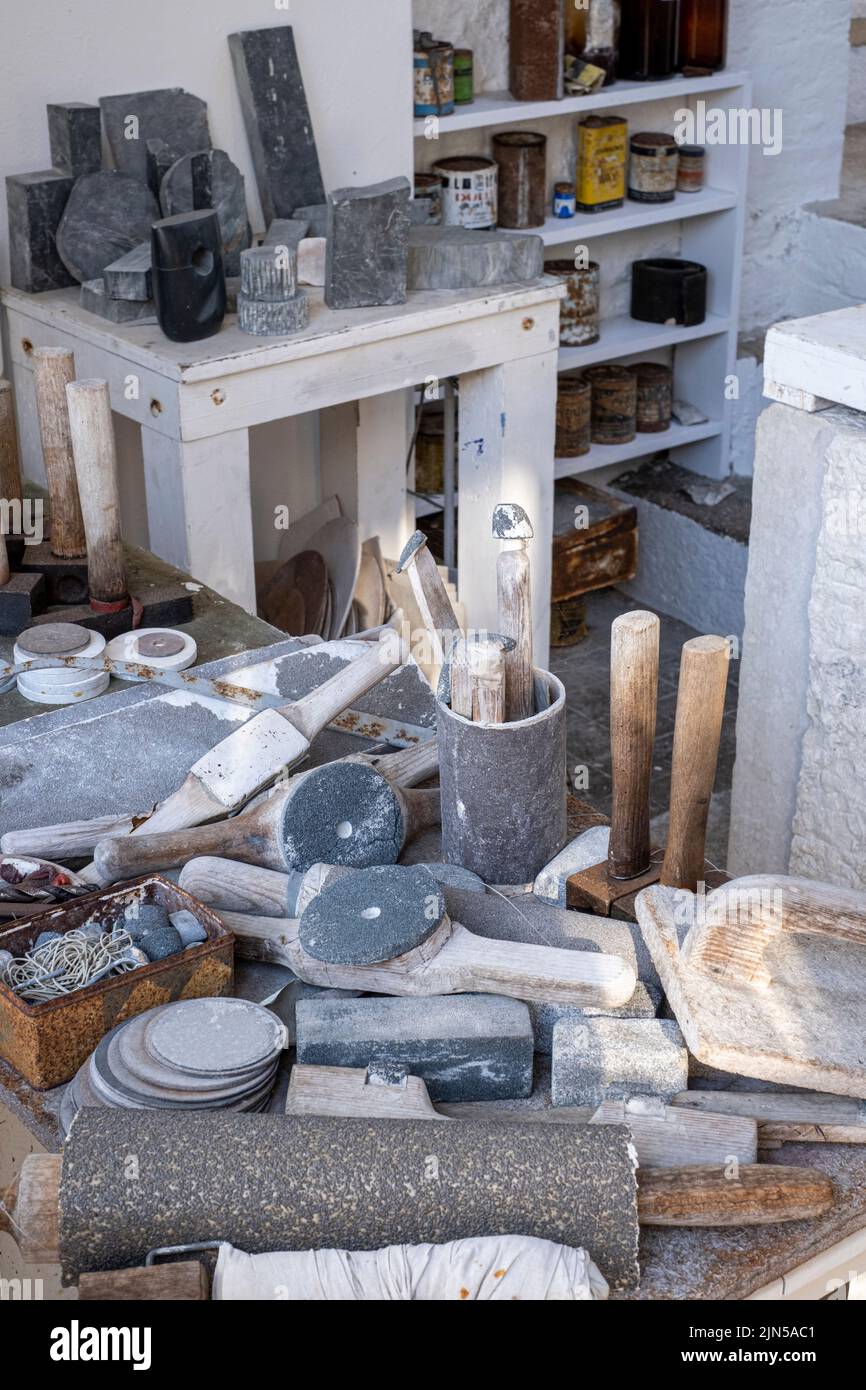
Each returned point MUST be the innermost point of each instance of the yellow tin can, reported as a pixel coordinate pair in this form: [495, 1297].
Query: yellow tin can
[602, 151]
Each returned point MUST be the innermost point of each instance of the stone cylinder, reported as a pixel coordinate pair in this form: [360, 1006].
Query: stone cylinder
[579, 311]
[504, 789]
[655, 390]
[573, 417]
[614, 404]
[521, 156]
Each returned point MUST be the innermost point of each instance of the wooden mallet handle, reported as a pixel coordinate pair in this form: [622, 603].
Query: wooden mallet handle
[253, 837]
[698, 730]
[478, 680]
[92, 433]
[634, 678]
[11, 486]
[4, 561]
[706, 1195]
[54, 370]
[515, 620]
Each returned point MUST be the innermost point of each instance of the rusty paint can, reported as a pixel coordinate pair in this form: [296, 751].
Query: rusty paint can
[655, 392]
[434, 78]
[521, 156]
[464, 76]
[602, 148]
[573, 417]
[469, 191]
[430, 186]
[536, 50]
[614, 404]
[691, 166]
[580, 309]
[652, 170]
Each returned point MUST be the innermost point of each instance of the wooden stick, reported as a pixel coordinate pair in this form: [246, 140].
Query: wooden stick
[92, 433]
[478, 680]
[430, 593]
[514, 588]
[54, 370]
[634, 677]
[11, 485]
[230, 886]
[750, 1195]
[5, 572]
[184, 1282]
[782, 1118]
[698, 730]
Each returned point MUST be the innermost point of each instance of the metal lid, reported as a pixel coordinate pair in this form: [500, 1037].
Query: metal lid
[54, 639]
[654, 140]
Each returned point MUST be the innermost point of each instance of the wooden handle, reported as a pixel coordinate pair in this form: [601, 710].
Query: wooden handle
[698, 730]
[421, 811]
[754, 1195]
[5, 572]
[92, 433]
[634, 678]
[433, 602]
[405, 767]
[515, 620]
[30, 1211]
[11, 485]
[311, 714]
[264, 938]
[743, 917]
[68, 841]
[253, 837]
[185, 1281]
[53, 371]
[540, 974]
[478, 680]
[236, 887]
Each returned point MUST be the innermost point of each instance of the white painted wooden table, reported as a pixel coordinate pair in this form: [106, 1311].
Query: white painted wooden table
[196, 404]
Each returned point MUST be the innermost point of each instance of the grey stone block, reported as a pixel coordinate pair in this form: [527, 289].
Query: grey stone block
[131, 276]
[108, 214]
[368, 245]
[452, 258]
[273, 318]
[465, 1047]
[75, 137]
[209, 179]
[169, 114]
[94, 299]
[277, 119]
[316, 217]
[269, 272]
[159, 159]
[644, 1003]
[35, 204]
[287, 231]
[598, 1059]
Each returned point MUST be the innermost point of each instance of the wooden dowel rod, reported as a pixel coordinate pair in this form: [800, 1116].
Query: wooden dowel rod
[634, 678]
[11, 486]
[92, 433]
[54, 369]
[515, 620]
[697, 733]
[4, 560]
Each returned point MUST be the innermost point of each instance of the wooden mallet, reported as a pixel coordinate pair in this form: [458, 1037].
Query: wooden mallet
[53, 371]
[430, 593]
[92, 435]
[512, 527]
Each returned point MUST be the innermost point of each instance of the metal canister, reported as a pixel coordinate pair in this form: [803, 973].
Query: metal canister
[614, 404]
[602, 148]
[434, 77]
[469, 191]
[655, 392]
[573, 417]
[522, 159]
[564, 200]
[464, 76]
[430, 186]
[580, 309]
[652, 170]
[691, 166]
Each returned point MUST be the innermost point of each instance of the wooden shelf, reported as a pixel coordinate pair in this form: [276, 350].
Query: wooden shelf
[587, 226]
[624, 337]
[603, 455]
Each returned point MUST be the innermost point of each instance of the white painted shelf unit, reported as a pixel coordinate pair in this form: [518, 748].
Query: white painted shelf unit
[711, 231]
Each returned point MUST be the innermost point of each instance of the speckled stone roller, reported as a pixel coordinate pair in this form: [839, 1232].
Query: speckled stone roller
[343, 813]
[133, 1182]
[372, 915]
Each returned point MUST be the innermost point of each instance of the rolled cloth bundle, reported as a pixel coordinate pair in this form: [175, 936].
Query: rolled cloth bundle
[134, 1181]
[482, 1271]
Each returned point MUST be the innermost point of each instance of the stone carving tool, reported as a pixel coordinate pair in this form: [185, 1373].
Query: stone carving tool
[430, 595]
[229, 885]
[385, 930]
[512, 527]
[340, 813]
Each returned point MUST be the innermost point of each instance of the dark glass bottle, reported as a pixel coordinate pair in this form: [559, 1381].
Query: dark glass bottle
[648, 39]
[703, 34]
[602, 37]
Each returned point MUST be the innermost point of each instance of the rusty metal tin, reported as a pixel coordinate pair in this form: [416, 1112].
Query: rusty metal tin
[464, 76]
[602, 149]
[521, 156]
[614, 404]
[536, 49]
[573, 417]
[655, 392]
[434, 79]
[691, 168]
[579, 311]
[469, 191]
[652, 170]
[430, 186]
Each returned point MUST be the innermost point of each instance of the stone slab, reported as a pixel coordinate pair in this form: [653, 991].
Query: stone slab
[131, 276]
[209, 179]
[598, 1059]
[273, 318]
[312, 261]
[35, 204]
[316, 217]
[96, 300]
[277, 119]
[169, 114]
[584, 852]
[159, 159]
[464, 1047]
[644, 1003]
[108, 214]
[286, 231]
[368, 240]
[452, 258]
[75, 137]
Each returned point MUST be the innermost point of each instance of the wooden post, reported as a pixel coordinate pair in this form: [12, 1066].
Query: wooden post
[92, 433]
[11, 486]
[54, 369]
[515, 620]
[634, 676]
[4, 560]
[698, 730]
[478, 681]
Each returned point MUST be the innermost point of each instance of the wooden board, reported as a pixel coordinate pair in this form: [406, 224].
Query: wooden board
[185, 1282]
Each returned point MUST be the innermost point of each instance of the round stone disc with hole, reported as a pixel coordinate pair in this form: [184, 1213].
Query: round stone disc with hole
[342, 813]
[214, 1036]
[162, 644]
[373, 915]
[54, 639]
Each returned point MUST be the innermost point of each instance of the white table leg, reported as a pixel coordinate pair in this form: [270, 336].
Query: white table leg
[363, 448]
[199, 511]
[507, 435]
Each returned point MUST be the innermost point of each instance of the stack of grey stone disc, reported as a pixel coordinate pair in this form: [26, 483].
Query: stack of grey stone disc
[194, 1054]
[270, 303]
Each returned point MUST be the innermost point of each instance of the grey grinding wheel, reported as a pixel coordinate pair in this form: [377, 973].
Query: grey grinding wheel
[342, 813]
[214, 1036]
[373, 915]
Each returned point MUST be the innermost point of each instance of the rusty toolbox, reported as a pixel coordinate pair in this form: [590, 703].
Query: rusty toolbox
[47, 1042]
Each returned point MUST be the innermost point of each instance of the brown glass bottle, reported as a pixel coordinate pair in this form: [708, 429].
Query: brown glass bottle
[703, 34]
[648, 39]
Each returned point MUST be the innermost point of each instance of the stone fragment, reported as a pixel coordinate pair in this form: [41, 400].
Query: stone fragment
[95, 300]
[316, 217]
[269, 273]
[168, 114]
[312, 259]
[35, 204]
[368, 243]
[452, 258]
[598, 1059]
[273, 318]
[131, 276]
[22, 597]
[75, 137]
[108, 214]
[160, 158]
[465, 1047]
[286, 231]
[586, 850]
[209, 179]
[188, 928]
[644, 1003]
[160, 943]
[277, 119]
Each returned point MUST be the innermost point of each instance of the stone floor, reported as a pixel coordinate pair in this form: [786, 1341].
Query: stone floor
[585, 672]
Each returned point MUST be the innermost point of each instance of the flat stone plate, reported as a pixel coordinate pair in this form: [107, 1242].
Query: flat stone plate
[160, 644]
[145, 1071]
[54, 639]
[211, 1036]
[373, 915]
